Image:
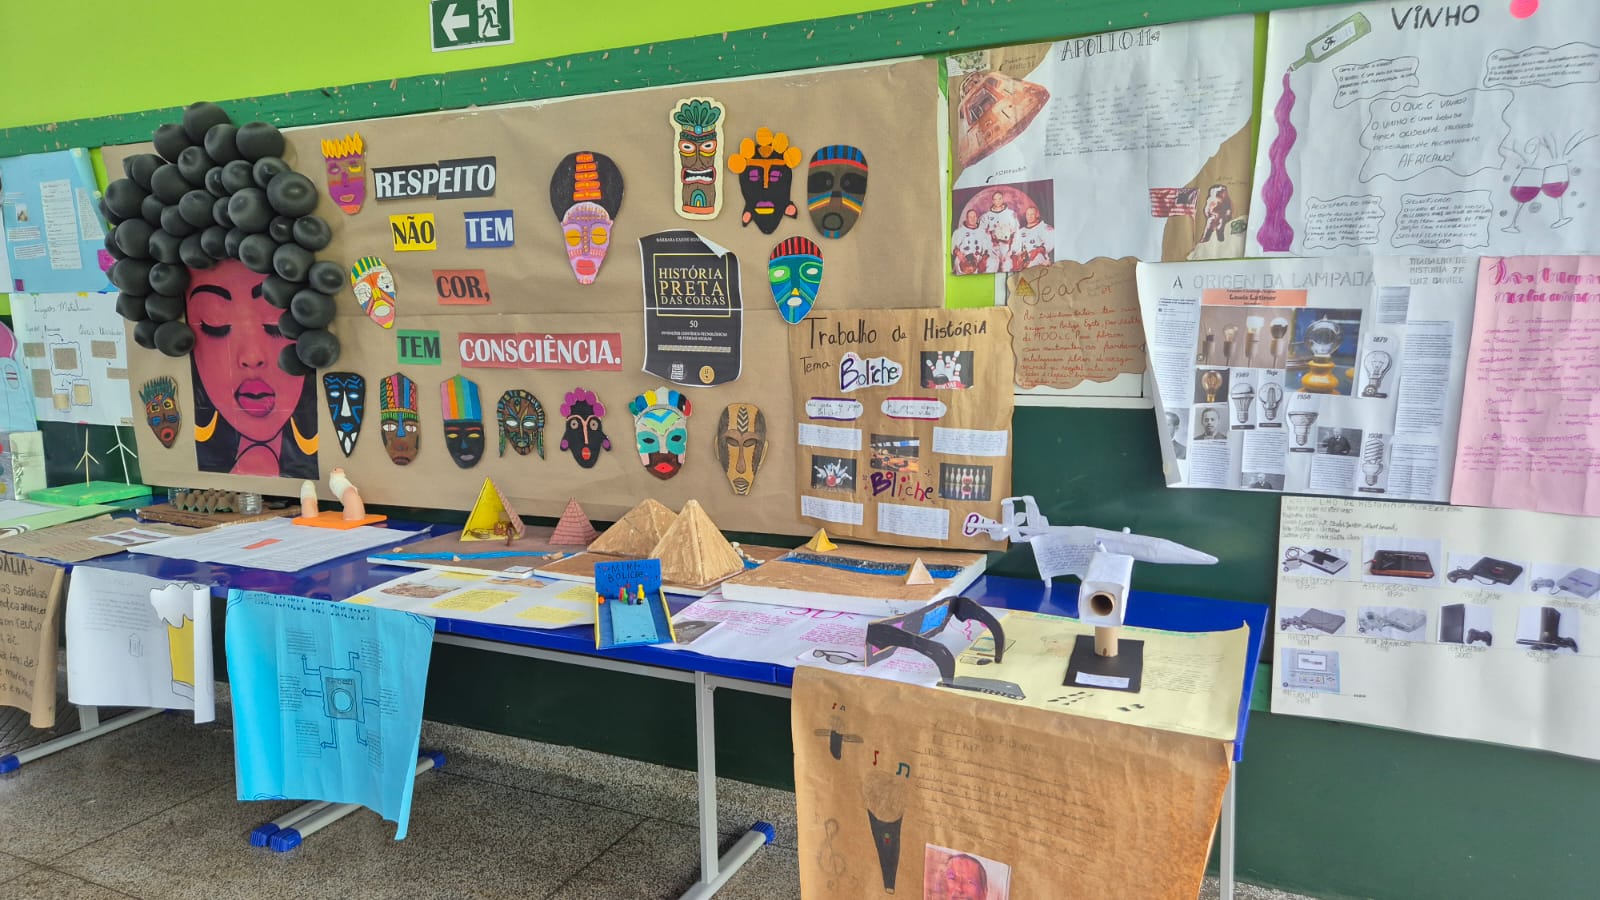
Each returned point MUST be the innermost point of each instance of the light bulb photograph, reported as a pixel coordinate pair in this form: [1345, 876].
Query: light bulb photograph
[1244, 337]
[1322, 353]
[1211, 385]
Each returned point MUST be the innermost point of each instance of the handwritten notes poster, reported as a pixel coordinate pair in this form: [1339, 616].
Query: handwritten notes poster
[1073, 323]
[1530, 424]
[30, 615]
[77, 356]
[904, 422]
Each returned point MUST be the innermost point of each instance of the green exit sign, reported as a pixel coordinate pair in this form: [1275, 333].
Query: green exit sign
[460, 24]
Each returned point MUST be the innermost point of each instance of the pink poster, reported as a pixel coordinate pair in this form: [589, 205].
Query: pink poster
[1530, 416]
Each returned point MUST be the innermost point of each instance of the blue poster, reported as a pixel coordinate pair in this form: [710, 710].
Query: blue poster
[54, 235]
[327, 700]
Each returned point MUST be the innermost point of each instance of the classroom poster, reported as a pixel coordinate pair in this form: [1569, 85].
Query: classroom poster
[1392, 128]
[16, 386]
[693, 311]
[30, 613]
[1077, 326]
[1447, 620]
[133, 640]
[1339, 376]
[914, 791]
[54, 234]
[903, 422]
[327, 700]
[76, 356]
[1529, 424]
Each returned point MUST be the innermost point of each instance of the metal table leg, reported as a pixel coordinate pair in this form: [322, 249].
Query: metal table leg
[715, 871]
[89, 727]
[1225, 864]
[310, 818]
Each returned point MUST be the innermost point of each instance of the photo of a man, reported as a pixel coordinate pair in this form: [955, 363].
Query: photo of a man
[1210, 426]
[955, 875]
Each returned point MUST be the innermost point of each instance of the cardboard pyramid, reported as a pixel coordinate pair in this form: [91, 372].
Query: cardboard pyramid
[820, 543]
[574, 528]
[694, 552]
[492, 518]
[638, 532]
[919, 573]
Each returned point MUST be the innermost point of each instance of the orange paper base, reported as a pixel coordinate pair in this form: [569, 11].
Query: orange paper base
[332, 518]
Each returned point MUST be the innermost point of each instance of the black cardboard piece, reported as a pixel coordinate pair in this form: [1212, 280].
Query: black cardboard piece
[1102, 671]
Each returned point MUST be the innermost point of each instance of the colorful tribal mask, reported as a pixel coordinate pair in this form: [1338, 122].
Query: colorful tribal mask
[397, 411]
[741, 445]
[696, 122]
[374, 289]
[160, 397]
[765, 167]
[836, 188]
[347, 172]
[661, 428]
[463, 420]
[521, 419]
[795, 272]
[586, 194]
[585, 436]
[347, 403]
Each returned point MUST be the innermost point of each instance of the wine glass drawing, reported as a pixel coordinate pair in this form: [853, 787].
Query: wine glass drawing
[1528, 183]
[1554, 184]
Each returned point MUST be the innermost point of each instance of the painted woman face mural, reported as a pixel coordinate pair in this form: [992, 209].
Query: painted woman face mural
[373, 285]
[696, 122]
[741, 445]
[521, 419]
[586, 194]
[347, 172]
[397, 411]
[160, 398]
[463, 420]
[584, 436]
[836, 189]
[347, 402]
[795, 273]
[765, 167]
[251, 417]
[661, 428]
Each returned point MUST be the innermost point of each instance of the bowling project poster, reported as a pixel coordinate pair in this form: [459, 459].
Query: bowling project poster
[1340, 376]
[903, 423]
[1455, 621]
[1393, 129]
[1129, 143]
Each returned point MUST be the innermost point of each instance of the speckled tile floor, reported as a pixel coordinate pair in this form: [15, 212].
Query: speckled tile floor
[149, 812]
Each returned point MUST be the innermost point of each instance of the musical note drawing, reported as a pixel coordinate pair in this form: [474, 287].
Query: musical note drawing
[904, 769]
[874, 757]
[831, 860]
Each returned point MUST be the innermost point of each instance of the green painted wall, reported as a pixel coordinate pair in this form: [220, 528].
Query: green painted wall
[1325, 808]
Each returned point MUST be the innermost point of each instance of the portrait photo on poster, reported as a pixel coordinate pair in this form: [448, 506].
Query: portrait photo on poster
[955, 875]
[251, 417]
[1003, 228]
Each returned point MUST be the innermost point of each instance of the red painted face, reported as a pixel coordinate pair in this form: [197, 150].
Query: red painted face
[236, 349]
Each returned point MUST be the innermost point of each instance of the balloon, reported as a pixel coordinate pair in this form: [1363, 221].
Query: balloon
[317, 348]
[195, 207]
[194, 163]
[219, 212]
[165, 279]
[199, 118]
[163, 307]
[151, 209]
[258, 139]
[249, 210]
[214, 182]
[130, 307]
[312, 233]
[193, 253]
[279, 292]
[173, 223]
[281, 229]
[291, 193]
[290, 362]
[131, 276]
[219, 143]
[169, 184]
[140, 167]
[312, 309]
[231, 242]
[236, 176]
[123, 197]
[174, 338]
[266, 169]
[256, 251]
[144, 334]
[170, 141]
[214, 242]
[111, 246]
[290, 327]
[326, 277]
[291, 261]
[164, 247]
[133, 236]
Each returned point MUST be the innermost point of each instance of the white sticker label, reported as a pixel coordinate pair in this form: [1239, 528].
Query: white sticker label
[1101, 681]
[830, 437]
[966, 442]
[842, 409]
[914, 408]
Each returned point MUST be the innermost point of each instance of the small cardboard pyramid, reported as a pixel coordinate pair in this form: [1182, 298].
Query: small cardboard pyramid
[694, 552]
[919, 573]
[637, 533]
[574, 528]
[820, 543]
[492, 518]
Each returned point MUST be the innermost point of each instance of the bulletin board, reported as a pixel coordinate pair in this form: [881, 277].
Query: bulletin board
[891, 258]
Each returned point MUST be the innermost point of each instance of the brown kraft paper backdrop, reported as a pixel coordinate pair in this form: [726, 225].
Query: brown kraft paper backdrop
[30, 630]
[884, 110]
[1074, 322]
[1053, 806]
[817, 351]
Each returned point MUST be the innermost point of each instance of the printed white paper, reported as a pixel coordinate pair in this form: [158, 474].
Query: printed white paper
[133, 640]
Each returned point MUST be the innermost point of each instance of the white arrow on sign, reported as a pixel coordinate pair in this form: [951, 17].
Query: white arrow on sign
[451, 21]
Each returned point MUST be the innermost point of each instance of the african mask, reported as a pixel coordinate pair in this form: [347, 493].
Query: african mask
[741, 445]
[836, 188]
[661, 428]
[397, 411]
[585, 435]
[697, 122]
[160, 398]
[521, 419]
[347, 172]
[765, 167]
[373, 285]
[347, 403]
[586, 194]
[463, 420]
[795, 272]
